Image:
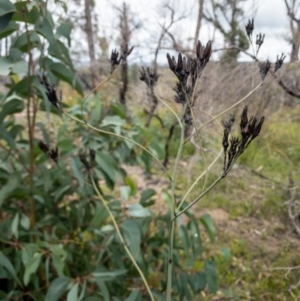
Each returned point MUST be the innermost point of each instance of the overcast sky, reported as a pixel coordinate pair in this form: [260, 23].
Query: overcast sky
[270, 18]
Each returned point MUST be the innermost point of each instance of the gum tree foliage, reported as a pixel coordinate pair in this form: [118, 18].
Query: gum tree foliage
[56, 238]
[226, 15]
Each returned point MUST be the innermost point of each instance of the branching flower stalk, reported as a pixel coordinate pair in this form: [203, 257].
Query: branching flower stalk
[225, 111]
[233, 148]
[186, 70]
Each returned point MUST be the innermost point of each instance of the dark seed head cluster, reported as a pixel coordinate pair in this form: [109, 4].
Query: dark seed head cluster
[235, 146]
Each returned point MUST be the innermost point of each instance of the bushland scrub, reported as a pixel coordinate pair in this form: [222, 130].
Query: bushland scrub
[69, 227]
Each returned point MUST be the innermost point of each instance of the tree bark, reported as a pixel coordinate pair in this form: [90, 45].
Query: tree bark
[90, 38]
[295, 44]
[292, 11]
[199, 21]
[125, 34]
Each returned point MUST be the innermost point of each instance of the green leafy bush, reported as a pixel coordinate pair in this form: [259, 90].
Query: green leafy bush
[57, 234]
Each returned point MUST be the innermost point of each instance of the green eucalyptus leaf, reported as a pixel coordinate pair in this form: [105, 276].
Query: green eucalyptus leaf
[8, 188]
[146, 196]
[209, 226]
[134, 295]
[58, 50]
[65, 74]
[31, 267]
[21, 88]
[108, 275]
[64, 30]
[15, 225]
[157, 148]
[120, 110]
[83, 291]
[197, 282]
[125, 192]
[226, 254]
[57, 288]
[32, 13]
[97, 111]
[137, 210]
[5, 66]
[6, 7]
[211, 276]
[14, 105]
[184, 238]
[132, 236]
[73, 293]
[113, 120]
[42, 127]
[25, 222]
[7, 30]
[77, 172]
[27, 252]
[4, 261]
[59, 256]
[100, 215]
[158, 296]
[6, 12]
[184, 290]
[10, 66]
[43, 27]
[106, 163]
[24, 44]
[59, 194]
[103, 289]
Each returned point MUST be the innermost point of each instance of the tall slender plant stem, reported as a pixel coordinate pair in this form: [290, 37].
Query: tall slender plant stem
[95, 89]
[122, 239]
[30, 123]
[173, 221]
[200, 196]
[198, 179]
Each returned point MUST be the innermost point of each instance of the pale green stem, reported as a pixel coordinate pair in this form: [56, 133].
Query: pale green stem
[122, 239]
[228, 109]
[96, 88]
[222, 176]
[172, 222]
[170, 260]
[165, 103]
[198, 179]
[200, 196]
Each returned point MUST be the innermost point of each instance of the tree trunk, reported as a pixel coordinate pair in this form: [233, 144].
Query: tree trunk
[125, 34]
[123, 89]
[295, 44]
[199, 21]
[90, 38]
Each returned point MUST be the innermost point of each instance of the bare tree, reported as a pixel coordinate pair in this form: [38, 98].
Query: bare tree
[90, 38]
[293, 11]
[165, 30]
[127, 25]
[199, 20]
[225, 15]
